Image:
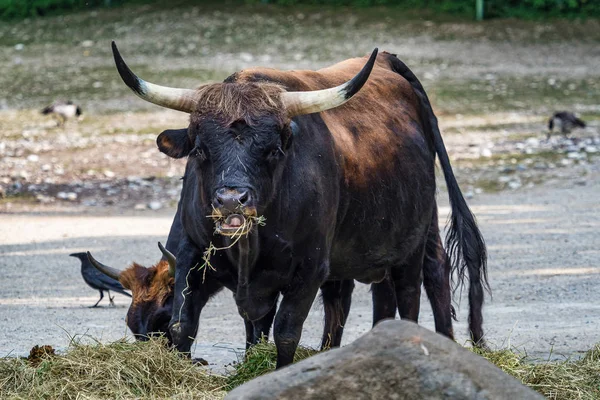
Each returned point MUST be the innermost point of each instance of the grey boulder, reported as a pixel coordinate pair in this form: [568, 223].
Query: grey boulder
[395, 360]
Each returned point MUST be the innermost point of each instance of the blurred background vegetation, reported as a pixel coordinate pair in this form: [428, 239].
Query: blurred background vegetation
[526, 9]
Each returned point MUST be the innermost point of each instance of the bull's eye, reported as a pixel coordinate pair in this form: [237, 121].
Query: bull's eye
[276, 153]
[198, 152]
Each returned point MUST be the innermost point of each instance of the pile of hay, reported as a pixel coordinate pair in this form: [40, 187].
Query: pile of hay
[561, 380]
[150, 370]
[116, 370]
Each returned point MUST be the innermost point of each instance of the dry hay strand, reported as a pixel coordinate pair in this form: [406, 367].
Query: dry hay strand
[259, 360]
[119, 370]
[559, 380]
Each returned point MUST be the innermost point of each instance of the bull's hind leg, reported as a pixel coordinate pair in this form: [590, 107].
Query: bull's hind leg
[337, 296]
[436, 279]
[384, 299]
[436, 272]
[407, 283]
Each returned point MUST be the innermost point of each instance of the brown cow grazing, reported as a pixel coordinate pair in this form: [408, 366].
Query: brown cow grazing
[152, 293]
[347, 189]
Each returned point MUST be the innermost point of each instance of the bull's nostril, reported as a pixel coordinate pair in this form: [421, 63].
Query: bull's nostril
[232, 199]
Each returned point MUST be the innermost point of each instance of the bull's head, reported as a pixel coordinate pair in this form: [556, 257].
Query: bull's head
[152, 294]
[237, 138]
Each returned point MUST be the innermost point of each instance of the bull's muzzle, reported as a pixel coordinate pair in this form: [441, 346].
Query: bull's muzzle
[232, 207]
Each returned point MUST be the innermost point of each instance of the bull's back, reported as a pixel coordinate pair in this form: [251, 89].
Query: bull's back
[385, 161]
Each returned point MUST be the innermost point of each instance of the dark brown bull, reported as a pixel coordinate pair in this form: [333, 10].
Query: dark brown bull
[348, 191]
[152, 299]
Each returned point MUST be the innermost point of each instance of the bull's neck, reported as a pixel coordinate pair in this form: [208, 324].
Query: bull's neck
[243, 254]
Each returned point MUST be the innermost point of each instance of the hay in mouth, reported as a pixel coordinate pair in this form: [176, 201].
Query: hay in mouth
[236, 225]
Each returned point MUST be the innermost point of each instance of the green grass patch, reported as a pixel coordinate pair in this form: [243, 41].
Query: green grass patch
[259, 360]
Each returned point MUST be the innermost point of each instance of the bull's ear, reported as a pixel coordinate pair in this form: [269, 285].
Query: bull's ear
[175, 143]
[289, 134]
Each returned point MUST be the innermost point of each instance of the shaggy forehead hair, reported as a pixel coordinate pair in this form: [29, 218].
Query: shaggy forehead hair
[239, 101]
[148, 284]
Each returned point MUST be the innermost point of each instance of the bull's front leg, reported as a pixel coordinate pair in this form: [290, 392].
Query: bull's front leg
[294, 308]
[192, 290]
[256, 330]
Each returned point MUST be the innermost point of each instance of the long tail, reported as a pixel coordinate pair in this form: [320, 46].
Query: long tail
[47, 110]
[464, 242]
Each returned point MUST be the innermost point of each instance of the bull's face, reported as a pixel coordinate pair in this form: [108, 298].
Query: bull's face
[152, 299]
[151, 291]
[237, 165]
[237, 138]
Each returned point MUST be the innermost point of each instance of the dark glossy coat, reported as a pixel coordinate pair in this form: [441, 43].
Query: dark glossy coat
[348, 194]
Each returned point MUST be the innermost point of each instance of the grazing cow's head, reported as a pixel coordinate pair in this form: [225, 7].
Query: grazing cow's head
[238, 136]
[152, 294]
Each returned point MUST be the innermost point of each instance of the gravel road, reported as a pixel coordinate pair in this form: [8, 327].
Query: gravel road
[543, 251]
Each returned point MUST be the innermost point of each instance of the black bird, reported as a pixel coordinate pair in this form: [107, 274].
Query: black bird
[97, 280]
[62, 110]
[566, 121]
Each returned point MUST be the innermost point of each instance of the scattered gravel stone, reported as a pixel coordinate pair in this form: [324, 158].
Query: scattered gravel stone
[566, 162]
[140, 206]
[155, 205]
[71, 196]
[109, 174]
[33, 158]
[44, 199]
[513, 185]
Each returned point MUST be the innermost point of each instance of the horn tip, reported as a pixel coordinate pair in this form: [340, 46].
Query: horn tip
[130, 79]
[360, 79]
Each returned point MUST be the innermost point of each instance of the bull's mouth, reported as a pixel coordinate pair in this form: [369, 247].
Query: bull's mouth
[236, 224]
[233, 224]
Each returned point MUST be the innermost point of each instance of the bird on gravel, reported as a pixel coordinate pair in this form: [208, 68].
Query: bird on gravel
[97, 280]
[566, 121]
[62, 111]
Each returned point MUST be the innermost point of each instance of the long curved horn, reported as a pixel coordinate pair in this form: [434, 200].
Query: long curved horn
[177, 99]
[170, 258]
[105, 269]
[299, 103]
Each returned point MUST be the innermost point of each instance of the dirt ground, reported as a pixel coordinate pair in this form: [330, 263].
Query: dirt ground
[543, 246]
[99, 184]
